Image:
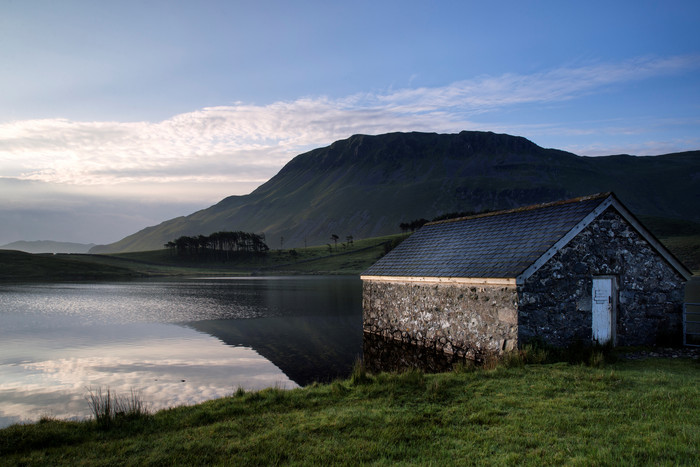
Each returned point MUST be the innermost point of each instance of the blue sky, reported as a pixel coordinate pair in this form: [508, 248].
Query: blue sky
[119, 115]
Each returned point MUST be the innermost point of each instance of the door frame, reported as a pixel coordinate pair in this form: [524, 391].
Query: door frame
[612, 309]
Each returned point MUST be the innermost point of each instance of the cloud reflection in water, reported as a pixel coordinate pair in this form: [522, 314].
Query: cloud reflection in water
[168, 365]
[176, 341]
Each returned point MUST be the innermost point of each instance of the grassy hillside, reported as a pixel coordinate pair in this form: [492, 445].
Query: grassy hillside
[345, 259]
[366, 186]
[687, 249]
[47, 246]
[20, 266]
[627, 413]
[326, 259]
[681, 237]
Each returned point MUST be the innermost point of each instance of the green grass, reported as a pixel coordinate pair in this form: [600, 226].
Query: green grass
[685, 248]
[312, 260]
[19, 266]
[342, 259]
[350, 260]
[626, 413]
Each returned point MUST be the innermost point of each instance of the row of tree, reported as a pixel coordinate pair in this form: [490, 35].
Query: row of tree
[413, 225]
[221, 245]
[418, 223]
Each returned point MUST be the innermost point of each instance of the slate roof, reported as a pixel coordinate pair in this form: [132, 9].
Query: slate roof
[493, 245]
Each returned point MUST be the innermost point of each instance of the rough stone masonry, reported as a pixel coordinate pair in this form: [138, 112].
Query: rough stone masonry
[553, 305]
[466, 320]
[555, 302]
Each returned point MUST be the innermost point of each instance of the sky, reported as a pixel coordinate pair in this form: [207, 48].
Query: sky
[115, 116]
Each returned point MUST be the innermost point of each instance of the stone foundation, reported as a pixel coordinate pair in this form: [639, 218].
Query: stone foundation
[465, 320]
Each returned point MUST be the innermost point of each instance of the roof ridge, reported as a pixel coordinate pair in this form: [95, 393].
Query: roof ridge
[532, 207]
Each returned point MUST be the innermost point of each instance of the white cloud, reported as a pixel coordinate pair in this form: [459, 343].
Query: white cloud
[246, 143]
[100, 181]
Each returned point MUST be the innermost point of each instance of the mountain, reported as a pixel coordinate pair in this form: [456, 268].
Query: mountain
[47, 246]
[367, 185]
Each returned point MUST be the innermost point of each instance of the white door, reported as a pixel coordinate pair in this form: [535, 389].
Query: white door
[604, 310]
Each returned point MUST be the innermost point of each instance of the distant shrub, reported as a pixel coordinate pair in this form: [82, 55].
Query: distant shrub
[391, 244]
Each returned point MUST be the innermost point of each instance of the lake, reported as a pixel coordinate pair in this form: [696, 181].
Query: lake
[174, 342]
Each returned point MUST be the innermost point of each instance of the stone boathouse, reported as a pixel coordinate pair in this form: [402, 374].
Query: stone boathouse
[582, 270]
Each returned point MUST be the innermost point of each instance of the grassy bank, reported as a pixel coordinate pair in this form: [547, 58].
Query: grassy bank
[630, 412]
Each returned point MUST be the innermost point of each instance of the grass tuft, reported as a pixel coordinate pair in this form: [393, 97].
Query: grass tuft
[338, 389]
[464, 366]
[359, 373]
[596, 359]
[109, 408]
[413, 377]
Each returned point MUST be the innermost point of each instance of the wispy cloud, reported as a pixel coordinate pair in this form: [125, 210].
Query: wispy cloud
[249, 143]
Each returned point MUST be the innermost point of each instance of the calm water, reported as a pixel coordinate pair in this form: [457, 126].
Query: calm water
[175, 342]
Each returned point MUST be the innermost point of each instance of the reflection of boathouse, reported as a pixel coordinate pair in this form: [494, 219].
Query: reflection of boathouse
[304, 348]
[578, 270]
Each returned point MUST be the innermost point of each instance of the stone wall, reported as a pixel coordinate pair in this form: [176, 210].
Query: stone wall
[555, 302]
[466, 320]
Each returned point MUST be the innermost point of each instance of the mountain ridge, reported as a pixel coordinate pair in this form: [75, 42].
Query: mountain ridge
[366, 185]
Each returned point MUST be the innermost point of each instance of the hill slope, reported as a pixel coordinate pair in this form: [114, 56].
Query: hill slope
[48, 246]
[367, 185]
[18, 266]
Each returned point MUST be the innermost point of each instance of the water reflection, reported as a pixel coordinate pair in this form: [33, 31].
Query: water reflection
[176, 342]
[169, 365]
[181, 342]
[382, 354]
[306, 349]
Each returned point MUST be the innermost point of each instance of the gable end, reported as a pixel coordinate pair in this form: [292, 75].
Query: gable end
[653, 241]
[610, 201]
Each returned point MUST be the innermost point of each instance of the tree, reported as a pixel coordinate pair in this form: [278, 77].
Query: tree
[413, 225]
[219, 245]
[335, 238]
